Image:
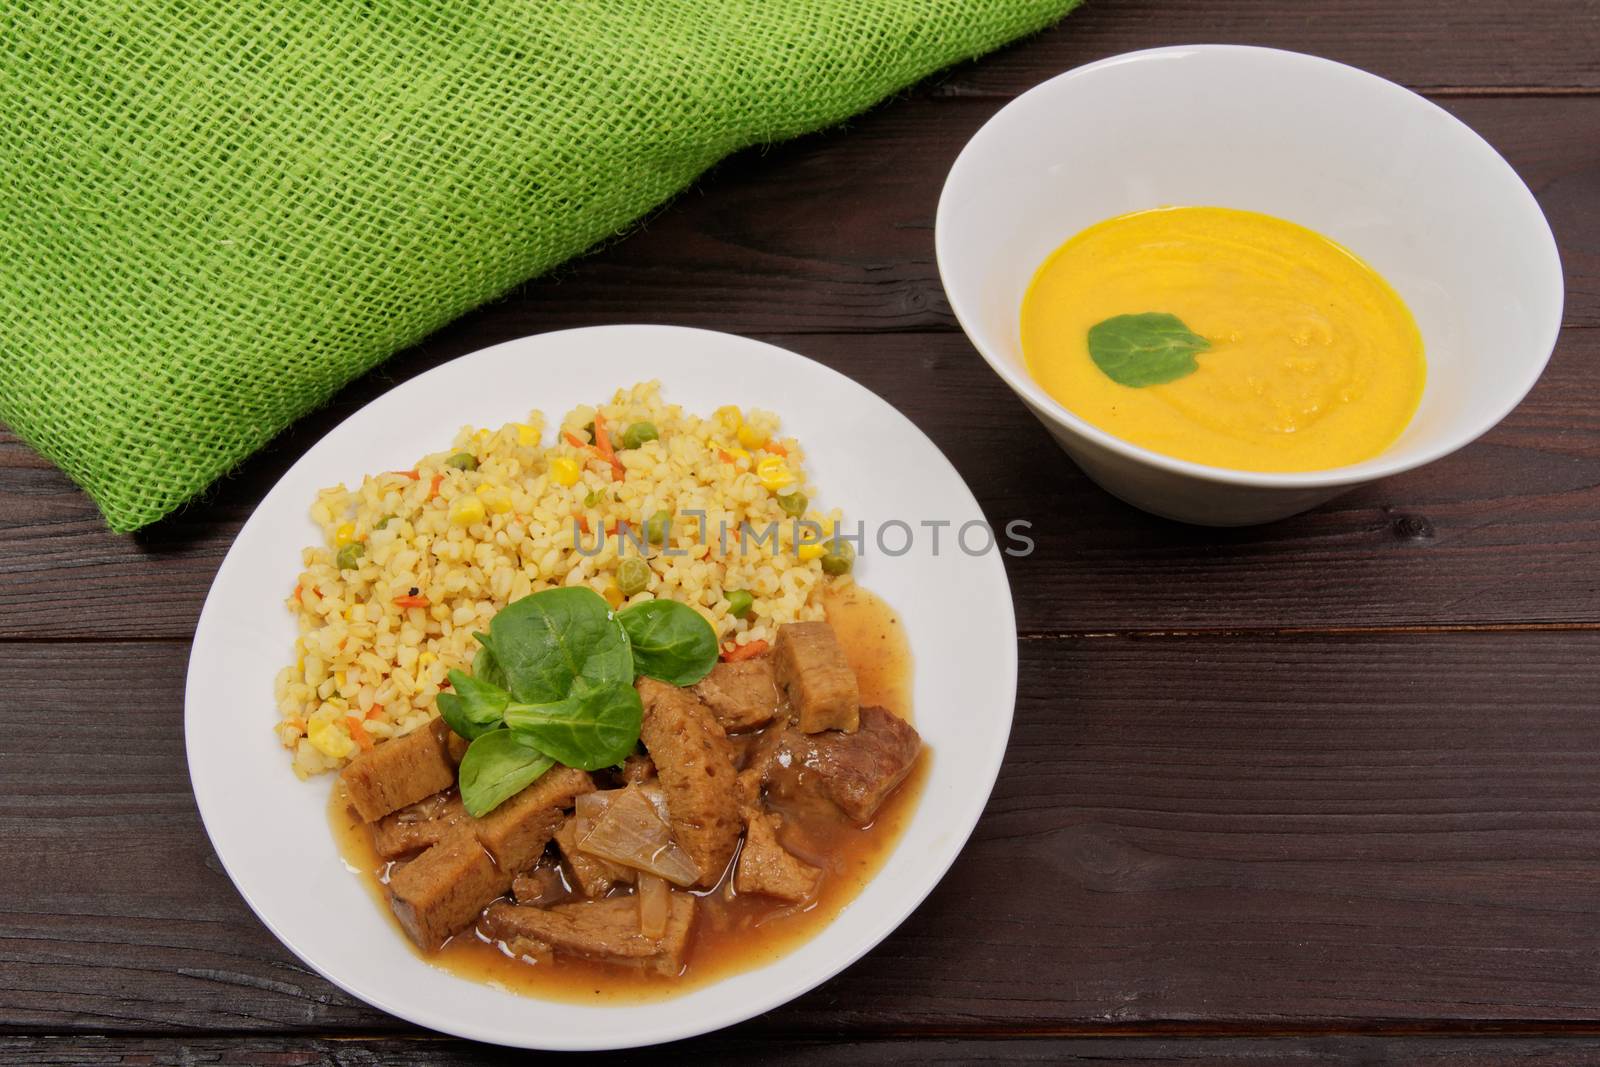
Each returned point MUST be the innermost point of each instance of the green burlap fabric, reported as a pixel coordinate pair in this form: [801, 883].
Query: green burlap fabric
[216, 214]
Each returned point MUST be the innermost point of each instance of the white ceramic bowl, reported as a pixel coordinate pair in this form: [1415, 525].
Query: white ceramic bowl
[1403, 184]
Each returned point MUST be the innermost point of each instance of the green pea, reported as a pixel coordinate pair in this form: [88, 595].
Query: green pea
[462, 461]
[594, 497]
[638, 433]
[793, 504]
[740, 602]
[350, 556]
[839, 558]
[633, 575]
[385, 521]
[657, 526]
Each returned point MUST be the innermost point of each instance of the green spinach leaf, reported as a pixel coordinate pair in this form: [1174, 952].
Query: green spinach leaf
[1145, 349]
[475, 707]
[544, 642]
[484, 665]
[671, 641]
[497, 766]
[595, 726]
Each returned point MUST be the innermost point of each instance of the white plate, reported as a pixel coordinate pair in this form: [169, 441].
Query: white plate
[271, 831]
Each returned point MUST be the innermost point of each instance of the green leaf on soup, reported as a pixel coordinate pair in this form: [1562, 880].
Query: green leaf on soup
[497, 766]
[595, 726]
[671, 641]
[545, 642]
[1145, 349]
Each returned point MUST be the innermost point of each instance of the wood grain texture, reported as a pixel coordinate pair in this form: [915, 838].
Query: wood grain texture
[1243, 841]
[74, 1050]
[1508, 530]
[1471, 46]
[1290, 831]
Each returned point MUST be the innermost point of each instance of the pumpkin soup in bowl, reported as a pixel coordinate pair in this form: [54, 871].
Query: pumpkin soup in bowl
[1224, 337]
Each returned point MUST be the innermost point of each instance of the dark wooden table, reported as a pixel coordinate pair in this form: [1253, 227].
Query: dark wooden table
[1325, 789]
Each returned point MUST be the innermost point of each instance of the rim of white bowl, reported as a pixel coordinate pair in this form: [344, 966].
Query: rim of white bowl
[1353, 474]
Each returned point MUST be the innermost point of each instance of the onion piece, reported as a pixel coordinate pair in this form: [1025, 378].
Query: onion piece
[630, 831]
[658, 797]
[588, 808]
[655, 901]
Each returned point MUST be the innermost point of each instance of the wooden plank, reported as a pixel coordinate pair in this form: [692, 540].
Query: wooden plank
[1238, 832]
[77, 1050]
[1505, 531]
[1475, 45]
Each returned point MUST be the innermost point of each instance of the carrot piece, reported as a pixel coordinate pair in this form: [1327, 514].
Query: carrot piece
[358, 733]
[739, 652]
[776, 449]
[296, 722]
[573, 439]
[583, 521]
[413, 475]
[724, 455]
[375, 711]
[433, 486]
[410, 601]
[602, 447]
[296, 595]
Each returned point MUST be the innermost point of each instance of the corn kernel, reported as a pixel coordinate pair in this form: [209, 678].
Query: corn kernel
[807, 553]
[751, 437]
[467, 510]
[344, 535]
[331, 741]
[527, 436]
[496, 498]
[338, 680]
[774, 473]
[564, 470]
[425, 659]
[728, 417]
[613, 596]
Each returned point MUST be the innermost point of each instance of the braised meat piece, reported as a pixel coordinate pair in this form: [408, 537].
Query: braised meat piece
[636, 770]
[414, 828]
[538, 887]
[856, 771]
[516, 832]
[742, 695]
[441, 892]
[401, 772]
[765, 866]
[694, 763]
[815, 676]
[606, 930]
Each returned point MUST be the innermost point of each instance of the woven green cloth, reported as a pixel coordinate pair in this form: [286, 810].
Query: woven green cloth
[217, 214]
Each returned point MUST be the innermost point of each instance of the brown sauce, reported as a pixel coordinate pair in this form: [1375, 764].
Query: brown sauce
[731, 933]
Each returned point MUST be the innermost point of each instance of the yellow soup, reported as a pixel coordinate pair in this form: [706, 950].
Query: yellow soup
[1303, 358]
